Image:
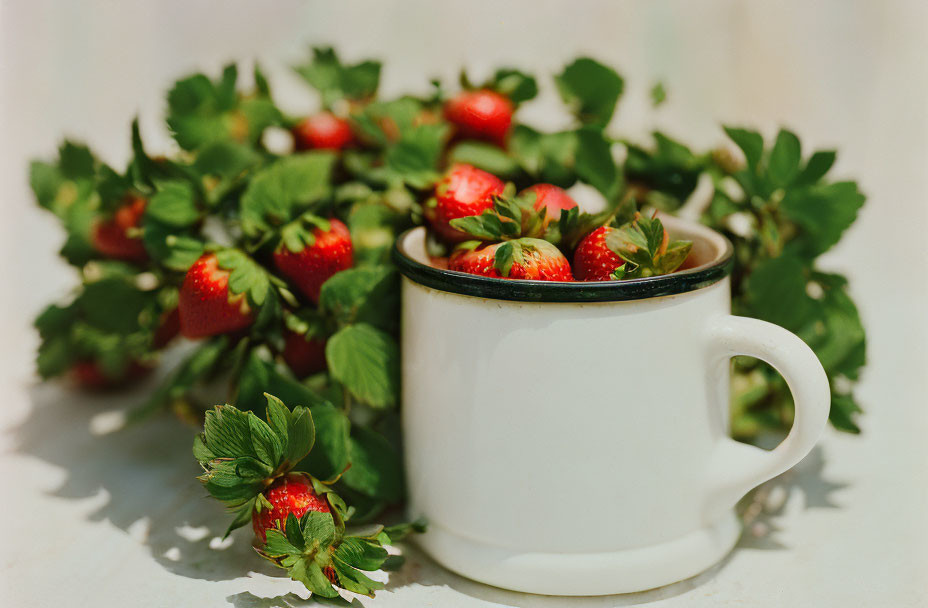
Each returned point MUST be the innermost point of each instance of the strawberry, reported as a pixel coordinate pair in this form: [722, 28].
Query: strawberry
[89, 375]
[323, 131]
[482, 114]
[552, 199]
[305, 355]
[463, 191]
[593, 260]
[206, 306]
[637, 249]
[309, 260]
[291, 493]
[110, 238]
[525, 258]
[168, 328]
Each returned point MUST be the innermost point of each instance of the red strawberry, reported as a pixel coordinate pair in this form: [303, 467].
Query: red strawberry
[168, 328]
[552, 199]
[291, 493]
[532, 259]
[593, 260]
[311, 266]
[463, 191]
[323, 131]
[109, 236]
[89, 375]
[205, 305]
[305, 355]
[481, 114]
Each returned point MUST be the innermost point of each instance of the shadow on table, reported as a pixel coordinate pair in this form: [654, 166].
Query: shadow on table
[147, 476]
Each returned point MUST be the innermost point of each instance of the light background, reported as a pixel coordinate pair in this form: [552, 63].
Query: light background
[848, 74]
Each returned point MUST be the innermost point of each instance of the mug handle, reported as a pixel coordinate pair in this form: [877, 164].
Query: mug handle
[735, 467]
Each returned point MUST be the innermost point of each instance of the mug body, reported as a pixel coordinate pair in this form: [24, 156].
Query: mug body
[562, 446]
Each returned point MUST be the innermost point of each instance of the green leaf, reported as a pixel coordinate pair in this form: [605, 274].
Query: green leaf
[174, 248]
[282, 191]
[363, 295]
[414, 158]
[361, 554]
[113, 305]
[776, 292]
[245, 275]
[594, 163]
[335, 80]
[329, 457]
[783, 165]
[750, 142]
[517, 86]
[225, 159]
[591, 89]
[484, 156]
[376, 466]
[818, 165]
[366, 361]
[824, 212]
[658, 94]
[174, 204]
[267, 445]
[75, 161]
[843, 411]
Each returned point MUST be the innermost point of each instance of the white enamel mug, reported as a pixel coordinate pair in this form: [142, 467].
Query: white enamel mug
[571, 438]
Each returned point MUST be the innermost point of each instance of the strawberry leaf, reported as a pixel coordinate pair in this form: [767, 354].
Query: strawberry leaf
[241, 454]
[174, 204]
[366, 361]
[591, 90]
[376, 467]
[245, 275]
[644, 243]
[282, 191]
[362, 295]
[335, 80]
[517, 86]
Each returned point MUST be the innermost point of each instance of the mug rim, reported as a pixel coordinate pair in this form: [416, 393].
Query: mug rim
[691, 279]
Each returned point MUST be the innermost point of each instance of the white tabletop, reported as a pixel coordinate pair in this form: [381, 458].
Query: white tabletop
[119, 520]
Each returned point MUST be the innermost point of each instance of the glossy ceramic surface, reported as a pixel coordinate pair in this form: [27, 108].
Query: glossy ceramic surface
[580, 448]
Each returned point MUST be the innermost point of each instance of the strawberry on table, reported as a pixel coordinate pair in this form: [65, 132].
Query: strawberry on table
[463, 191]
[111, 237]
[292, 493]
[312, 250]
[299, 522]
[322, 131]
[524, 258]
[206, 305]
[481, 114]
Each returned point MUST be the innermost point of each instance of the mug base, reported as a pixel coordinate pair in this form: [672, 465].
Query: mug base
[576, 574]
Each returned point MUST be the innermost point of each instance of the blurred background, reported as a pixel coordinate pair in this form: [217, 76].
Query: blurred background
[846, 74]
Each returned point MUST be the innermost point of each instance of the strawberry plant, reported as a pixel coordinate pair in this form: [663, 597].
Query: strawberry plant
[276, 263]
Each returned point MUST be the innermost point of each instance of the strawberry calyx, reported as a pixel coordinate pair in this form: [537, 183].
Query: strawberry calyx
[645, 245]
[246, 459]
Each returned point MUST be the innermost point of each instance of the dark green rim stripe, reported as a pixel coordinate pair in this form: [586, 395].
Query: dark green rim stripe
[550, 291]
